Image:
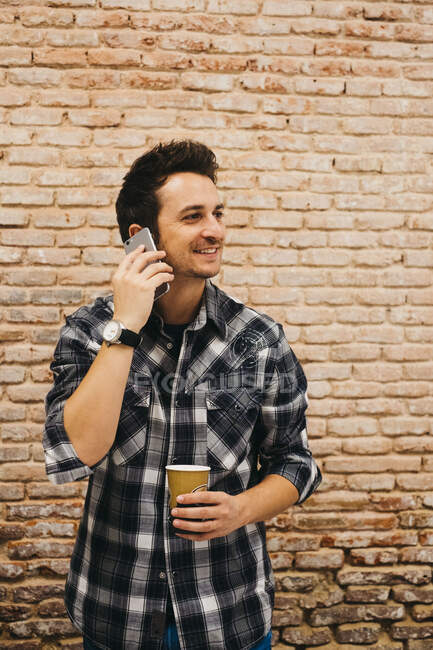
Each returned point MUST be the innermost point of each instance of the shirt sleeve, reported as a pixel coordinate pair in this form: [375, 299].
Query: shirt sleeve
[284, 449]
[73, 357]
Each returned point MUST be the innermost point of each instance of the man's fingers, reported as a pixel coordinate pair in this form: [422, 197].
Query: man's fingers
[207, 496]
[194, 526]
[144, 258]
[154, 269]
[196, 513]
[159, 279]
[139, 256]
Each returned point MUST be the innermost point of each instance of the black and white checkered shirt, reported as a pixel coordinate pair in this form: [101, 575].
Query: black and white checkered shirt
[234, 398]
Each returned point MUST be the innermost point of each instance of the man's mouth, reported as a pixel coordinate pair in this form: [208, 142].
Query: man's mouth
[207, 251]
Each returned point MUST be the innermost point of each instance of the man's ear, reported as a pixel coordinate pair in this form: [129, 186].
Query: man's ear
[133, 229]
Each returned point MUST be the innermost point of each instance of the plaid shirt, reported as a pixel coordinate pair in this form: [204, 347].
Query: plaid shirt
[234, 398]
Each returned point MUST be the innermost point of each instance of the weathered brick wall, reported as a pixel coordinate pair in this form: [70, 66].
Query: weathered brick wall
[321, 116]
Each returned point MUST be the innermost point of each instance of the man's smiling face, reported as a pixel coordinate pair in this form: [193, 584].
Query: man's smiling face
[191, 225]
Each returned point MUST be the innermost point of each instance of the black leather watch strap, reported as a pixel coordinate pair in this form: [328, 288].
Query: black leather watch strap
[128, 337]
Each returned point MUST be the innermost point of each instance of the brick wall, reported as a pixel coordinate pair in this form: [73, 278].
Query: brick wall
[320, 114]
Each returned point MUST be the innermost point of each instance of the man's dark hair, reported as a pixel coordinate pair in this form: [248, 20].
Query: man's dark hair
[137, 201]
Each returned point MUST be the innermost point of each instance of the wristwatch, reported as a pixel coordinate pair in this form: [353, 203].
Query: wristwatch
[116, 332]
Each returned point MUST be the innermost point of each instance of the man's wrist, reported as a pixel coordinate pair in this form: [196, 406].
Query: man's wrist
[244, 502]
[128, 323]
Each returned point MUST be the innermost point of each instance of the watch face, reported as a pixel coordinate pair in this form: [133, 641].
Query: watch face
[111, 331]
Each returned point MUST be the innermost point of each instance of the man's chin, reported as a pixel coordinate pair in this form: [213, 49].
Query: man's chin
[204, 275]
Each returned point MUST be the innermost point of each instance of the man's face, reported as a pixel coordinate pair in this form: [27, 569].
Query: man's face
[190, 224]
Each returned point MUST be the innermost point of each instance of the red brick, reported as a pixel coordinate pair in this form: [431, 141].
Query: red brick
[418, 519]
[292, 542]
[373, 557]
[362, 520]
[422, 612]
[395, 502]
[384, 575]
[362, 539]
[353, 613]
[367, 594]
[305, 636]
[52, 608]
[358, 634]
[11, 570]
[412, 555]
[11, 531]
[25, 550]
[373, 464]
[43, 510]
[49, 568]
[335, 500]
[48, 628]
[61, 57]
[324, 559]
[424, 644]
[14, 612]
[295, 581]
[407, 594]
[37, 593]
[292, 616]
[281, 560]
[426, 536]
[372, 482]
[409, 630]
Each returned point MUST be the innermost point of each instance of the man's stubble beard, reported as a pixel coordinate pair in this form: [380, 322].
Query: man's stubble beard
[204, 275]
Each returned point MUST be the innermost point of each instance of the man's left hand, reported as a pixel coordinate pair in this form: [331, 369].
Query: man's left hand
[223, 514]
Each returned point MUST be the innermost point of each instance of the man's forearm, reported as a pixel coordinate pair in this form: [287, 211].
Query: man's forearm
[270, 497]
[91, 414]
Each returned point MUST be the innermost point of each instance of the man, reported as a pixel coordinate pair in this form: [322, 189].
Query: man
[195, 378]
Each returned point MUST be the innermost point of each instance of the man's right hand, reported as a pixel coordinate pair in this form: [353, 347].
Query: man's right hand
[134, 283]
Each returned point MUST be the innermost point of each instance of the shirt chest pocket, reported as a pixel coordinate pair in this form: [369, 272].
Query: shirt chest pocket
[231, 416]
[130, 441]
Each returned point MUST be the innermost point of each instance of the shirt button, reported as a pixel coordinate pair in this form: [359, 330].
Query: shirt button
[173, 460]
[169, 345]
[174, 574]
[177, 402]
[162, 575]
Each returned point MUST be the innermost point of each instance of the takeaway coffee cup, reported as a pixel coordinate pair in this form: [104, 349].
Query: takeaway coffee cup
[186, 478]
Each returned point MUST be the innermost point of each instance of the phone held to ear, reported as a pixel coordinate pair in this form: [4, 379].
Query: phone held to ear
[144, 237]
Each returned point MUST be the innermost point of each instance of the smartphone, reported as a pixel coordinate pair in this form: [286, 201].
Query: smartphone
[144, 237]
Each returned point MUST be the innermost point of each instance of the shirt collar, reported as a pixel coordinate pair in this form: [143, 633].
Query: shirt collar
[210, 309]
[215, 308]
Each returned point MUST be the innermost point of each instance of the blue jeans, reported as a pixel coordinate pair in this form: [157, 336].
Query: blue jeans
[171, 641]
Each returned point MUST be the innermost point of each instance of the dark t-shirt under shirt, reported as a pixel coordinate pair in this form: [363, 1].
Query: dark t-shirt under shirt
[175, 332]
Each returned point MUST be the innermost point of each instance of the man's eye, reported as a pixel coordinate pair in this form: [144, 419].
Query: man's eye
[193, 216]
[219, 214]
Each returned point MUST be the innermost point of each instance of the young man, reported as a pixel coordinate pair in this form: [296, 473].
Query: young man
[194, 378]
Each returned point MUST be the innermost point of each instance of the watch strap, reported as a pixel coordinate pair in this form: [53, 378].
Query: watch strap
[128, 337]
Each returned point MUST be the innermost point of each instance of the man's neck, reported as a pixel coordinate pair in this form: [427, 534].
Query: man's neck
[182, 303]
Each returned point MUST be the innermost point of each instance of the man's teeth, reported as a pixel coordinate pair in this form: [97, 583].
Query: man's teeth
[207, 250]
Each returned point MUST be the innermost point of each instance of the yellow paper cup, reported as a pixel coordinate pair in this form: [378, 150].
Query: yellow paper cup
[186, 478]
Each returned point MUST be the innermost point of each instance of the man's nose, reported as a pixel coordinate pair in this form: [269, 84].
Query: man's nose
[213, 228]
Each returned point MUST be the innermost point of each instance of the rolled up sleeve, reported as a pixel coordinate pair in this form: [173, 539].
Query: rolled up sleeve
[284, 449]
[72, 359]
